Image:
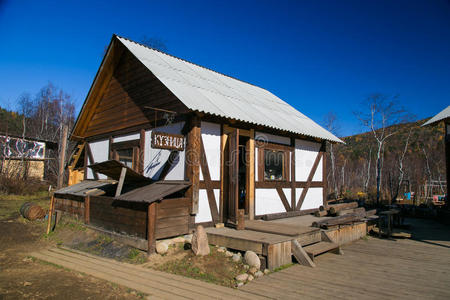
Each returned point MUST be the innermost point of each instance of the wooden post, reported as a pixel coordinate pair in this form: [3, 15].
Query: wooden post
[151, 225]
[141, 151]
[193, 162]
[240, 219]
[62, 158]
[50, 213]
[87, 202]
[447, 157]
[293, 187]
[324, 175]
[251, 176]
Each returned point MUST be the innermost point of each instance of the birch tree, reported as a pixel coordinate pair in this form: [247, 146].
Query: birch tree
[330, 123]
[379, 115]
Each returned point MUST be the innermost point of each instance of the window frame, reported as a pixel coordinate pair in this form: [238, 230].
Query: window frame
[286, 150]
[125, 145]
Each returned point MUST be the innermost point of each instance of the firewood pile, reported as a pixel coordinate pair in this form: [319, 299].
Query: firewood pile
[343, 213]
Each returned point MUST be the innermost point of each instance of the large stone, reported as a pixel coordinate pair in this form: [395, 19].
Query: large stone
[252, 259]
[259, 274]
[221, 249]
[161, 248]
[228, 254]
[253, 270]
[200, 244]
[250, 278]
[242, 277]
[188, 238]
[236, 258]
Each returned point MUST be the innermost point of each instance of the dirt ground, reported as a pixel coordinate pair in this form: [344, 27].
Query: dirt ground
[23, 277]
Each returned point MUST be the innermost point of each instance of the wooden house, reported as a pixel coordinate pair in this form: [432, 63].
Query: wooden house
[238, 146]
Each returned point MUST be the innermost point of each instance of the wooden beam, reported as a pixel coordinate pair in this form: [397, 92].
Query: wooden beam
[87, 203]
[293, 192]
[223, 142]
[324, 173]
[91, 159]
[300, 254]
[283, 199]
[141, 151]
[193, 162]
[309, 180]
[123, 173]
[208, 186]
[86, 162]
[251, 176]
[62, 158]
[151, 226]
[50, 213]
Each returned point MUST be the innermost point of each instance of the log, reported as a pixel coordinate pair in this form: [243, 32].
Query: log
[360, 210]
[348, 218]
[289, 214]
[334, 208]
[371, 212]
[320, 213]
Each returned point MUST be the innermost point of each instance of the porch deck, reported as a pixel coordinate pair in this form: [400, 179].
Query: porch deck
[272, 239]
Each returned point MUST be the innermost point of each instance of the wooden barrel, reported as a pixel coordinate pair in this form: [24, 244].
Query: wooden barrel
[32, 211]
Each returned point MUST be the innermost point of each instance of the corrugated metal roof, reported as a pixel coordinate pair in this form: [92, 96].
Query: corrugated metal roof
[204, 90]
[155, 191]
[439, 117]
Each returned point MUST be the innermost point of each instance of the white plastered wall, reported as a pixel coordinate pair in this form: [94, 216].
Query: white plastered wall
[305, 155]
[313, 198]
[211, 143]
[154, 159]
[100, 150]
[267, 201]
[204, 213]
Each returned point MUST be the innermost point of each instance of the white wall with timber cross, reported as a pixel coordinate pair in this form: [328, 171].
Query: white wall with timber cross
[154, 159]
[211, 135]
[305, 155]
[100, 151]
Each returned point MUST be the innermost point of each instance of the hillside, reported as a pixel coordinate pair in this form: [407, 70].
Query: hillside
[424, 159]
[10, 122]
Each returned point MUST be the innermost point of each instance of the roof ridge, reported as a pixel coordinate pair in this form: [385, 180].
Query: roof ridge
[185, 60]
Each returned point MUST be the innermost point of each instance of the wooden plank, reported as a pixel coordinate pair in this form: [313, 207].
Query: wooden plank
[50, 213]
[283, 199]
[223, 142]
[251, 176]
[172, 221]
[141, 151]
[277, 228]
[309, 238]
[123, 173]
[300, 255]
[279, 255]
[180, 211]
[293, 188]
[233, 243]
[171, 231]
[309, 180]
[319, 248]
[174, 203]
[151, 224]
[289, 214]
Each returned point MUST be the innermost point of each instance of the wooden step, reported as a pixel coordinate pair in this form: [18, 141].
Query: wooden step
[320, 248]
[309, 238]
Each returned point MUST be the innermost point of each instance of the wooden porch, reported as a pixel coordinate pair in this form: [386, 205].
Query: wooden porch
[276, 242]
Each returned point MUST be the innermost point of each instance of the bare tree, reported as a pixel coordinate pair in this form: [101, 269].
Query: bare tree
[400, 167]
[330, 122]
[380, 113]
[367, 175]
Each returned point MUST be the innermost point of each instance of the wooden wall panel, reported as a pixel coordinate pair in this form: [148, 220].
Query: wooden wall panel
[130, 89]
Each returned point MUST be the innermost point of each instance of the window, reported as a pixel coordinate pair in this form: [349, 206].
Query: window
[125, 156]
[273, 165]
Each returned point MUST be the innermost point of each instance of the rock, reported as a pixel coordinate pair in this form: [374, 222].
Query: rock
[200, 244]
[162, 248]
[240, 254]
[221, 249]
[242, 277]
[250, 278]
[239, 284]
[236, 258]
[228, 254]
[219, 225]
[253, 270]
[246, 267]
[266, 271]
[27, 283]
[252, 259]
[188, 238]
[179, 240]
[259, 274]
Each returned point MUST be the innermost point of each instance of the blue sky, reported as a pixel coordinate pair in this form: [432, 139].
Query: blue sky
[319, 56]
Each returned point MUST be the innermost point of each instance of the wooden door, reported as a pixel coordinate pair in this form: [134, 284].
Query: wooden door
[233, 175]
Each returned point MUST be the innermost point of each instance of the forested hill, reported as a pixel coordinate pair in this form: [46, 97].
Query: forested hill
[10, 122]
[424, 158]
